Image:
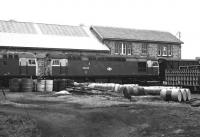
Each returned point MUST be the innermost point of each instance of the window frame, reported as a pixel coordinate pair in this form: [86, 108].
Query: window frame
[30, 62]
[57, 62]
[144, 48]
[165, 50]
[170, 49]
[129, 49]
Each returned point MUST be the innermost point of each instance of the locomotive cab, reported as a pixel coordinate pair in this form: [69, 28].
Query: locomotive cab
[27, 64]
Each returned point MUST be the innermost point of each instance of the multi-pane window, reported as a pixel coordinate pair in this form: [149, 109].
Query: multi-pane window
[123, 48]
[56, 62]
[170, 50]
[129, 49]
[118, 46]
[144, 48]
[31, 62]
[165, 50]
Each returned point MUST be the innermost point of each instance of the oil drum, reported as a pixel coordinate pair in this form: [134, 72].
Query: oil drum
[41, 85]
[14, 85]
[26, 85]
[49, 85]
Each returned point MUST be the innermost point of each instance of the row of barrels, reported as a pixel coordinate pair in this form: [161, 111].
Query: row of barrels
[109, 86]
[166, 93]
[176, 94]
[29, 85]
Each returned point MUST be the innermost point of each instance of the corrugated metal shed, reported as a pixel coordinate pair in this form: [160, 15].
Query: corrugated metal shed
[37, 35]
[114, 33]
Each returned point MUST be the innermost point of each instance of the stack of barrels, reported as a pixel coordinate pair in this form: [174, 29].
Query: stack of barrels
[175, 94]
[21, 85]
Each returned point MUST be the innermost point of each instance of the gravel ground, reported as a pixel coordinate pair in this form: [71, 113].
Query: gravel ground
[105, 116]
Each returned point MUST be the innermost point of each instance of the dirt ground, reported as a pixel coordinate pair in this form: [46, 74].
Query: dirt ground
[104, 116]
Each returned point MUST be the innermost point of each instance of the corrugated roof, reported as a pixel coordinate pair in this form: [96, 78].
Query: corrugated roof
[37, 35]
[17, 27]
[135, 35]
[52, 29]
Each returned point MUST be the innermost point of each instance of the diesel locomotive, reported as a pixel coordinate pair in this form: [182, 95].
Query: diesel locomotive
[99, 68]
[81, 68]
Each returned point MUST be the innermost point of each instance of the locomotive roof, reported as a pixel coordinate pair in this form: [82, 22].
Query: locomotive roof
[26, 55]
[40, 35]
[114, 33]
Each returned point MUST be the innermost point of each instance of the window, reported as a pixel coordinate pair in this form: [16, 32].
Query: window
[123, 48]
[165, 50]
[144, 48]
[170, 50]
[129, 49]
[142, 66]
[31, 62]
[118, 47]
[159, 50]
[56, 62]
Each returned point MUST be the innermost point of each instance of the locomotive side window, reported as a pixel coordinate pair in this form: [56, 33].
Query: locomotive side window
[142, 66]
[155, 64]
[56, 62]
[31, 62]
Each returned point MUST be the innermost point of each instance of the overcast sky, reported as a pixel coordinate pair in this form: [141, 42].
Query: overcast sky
[165, 15]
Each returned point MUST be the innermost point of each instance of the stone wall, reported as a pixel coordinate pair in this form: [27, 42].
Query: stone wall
[152, 50]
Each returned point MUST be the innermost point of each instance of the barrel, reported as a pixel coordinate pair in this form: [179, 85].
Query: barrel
[188, 93]
[184, 94]
[176, 95]
[61, 84]
[133, 91]
[41, 85]
[165, 94]
[117, 88]
[152, 90]
[49, 85]
[171, 94]
[26, 85]
[14, 85]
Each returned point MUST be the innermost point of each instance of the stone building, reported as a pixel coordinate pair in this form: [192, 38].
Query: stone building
[139, 43]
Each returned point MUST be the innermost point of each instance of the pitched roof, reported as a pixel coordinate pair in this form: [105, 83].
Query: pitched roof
[40, 35]
[114, 33]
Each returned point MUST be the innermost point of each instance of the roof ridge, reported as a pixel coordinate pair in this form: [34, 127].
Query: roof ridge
[130, 28]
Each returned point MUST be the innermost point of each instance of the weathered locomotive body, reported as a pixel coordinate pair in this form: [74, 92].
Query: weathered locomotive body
[79, 67]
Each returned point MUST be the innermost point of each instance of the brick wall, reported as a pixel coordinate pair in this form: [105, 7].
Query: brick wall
[152, 50]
